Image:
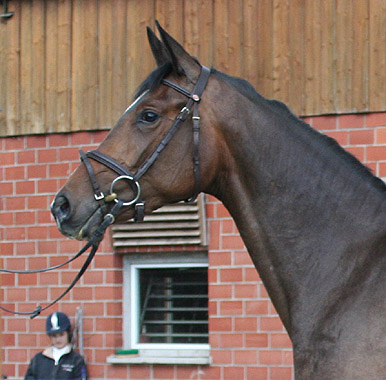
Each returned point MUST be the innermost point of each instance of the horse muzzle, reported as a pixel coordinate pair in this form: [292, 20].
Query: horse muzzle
[61, 209]
[79, 226]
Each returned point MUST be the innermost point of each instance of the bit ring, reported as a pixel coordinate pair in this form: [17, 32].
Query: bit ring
[129, 179]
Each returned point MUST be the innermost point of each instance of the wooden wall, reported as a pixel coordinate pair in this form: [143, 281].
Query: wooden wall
[73, 65]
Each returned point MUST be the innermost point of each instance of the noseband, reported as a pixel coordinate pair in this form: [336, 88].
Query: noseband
[133, 179]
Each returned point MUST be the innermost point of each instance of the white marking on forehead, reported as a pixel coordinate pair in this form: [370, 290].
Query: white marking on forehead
[136, 101]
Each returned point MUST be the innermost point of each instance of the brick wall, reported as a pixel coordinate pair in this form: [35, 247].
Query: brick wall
[247, 338]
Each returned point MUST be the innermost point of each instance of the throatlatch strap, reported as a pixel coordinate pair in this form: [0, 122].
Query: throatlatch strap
[200, 87]
[194, 99]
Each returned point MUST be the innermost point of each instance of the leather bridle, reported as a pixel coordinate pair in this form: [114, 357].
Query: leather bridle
[132, 179]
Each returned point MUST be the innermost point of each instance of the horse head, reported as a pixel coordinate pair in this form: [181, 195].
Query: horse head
[152, 156]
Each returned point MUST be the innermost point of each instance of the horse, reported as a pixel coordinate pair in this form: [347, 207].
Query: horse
[312, 217]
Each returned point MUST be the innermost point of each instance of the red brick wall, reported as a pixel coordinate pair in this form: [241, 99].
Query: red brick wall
[247, 338]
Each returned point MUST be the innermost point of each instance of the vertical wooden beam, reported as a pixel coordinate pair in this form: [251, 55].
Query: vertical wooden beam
[63, 69]
[344, 43]
[119, 80]
[297, 92]
[327, 59]
[235, 37]
[3, 74]
[360, 67]
[312, 47]
[377, 55]
[199, 29]
[12, 80]
[38, 64]
[107, 31]
[84, 102]
[281, 53]
[139, 58]
[221, 36]
[25, 67]
[51, 62]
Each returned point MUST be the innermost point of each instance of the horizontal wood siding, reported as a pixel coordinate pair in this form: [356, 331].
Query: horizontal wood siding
[73, 65]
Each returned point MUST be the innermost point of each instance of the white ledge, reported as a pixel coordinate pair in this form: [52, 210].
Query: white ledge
[192, 357]
[118, 359]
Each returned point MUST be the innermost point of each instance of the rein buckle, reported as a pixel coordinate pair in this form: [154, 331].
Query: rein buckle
[99, 196]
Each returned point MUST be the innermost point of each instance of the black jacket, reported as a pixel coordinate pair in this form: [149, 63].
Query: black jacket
[43, 367]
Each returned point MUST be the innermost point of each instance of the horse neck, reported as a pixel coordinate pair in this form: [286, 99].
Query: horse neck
[296, 202]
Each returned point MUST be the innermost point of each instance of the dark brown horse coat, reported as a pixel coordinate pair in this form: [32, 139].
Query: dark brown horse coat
[312, 217]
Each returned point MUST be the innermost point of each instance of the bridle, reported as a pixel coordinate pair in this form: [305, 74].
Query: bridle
[132, 179]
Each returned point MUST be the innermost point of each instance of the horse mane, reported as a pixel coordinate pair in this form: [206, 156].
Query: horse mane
[279, 108]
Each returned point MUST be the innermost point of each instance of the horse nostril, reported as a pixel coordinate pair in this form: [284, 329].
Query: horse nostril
[61, 209]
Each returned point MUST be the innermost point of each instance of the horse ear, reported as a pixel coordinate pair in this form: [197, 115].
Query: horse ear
[182, 61]
[160, 53]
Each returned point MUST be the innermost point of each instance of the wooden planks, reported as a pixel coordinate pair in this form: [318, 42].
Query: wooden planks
[140, 14]
[377, 54]
[58, 66]
[199, 29]
[112, 61]
[84, 66]
[297, 43]
[11, 106]
[70, 65]
[3, 70]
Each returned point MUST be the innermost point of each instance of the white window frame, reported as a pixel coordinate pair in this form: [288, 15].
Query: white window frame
[135, 309]
[155, 353]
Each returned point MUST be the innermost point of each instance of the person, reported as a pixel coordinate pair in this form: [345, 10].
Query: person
[59, 361]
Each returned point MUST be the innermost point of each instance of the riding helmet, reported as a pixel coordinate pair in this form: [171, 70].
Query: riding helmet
[56, 322]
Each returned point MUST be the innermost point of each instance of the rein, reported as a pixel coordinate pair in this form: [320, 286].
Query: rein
[132, 179]
[93, 242]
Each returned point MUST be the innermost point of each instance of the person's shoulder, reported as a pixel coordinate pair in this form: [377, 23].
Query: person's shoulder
[75, 354]
[38, 356]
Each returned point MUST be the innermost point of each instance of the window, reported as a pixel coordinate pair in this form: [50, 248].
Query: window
[173, 305]
[165, 309]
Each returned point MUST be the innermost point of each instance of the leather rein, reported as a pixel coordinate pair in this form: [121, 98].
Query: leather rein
[132, 179]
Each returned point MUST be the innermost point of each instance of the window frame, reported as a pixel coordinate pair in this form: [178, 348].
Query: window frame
[136, 307]
[156, 353]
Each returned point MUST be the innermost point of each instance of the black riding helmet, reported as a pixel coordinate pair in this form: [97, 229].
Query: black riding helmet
[56, 322]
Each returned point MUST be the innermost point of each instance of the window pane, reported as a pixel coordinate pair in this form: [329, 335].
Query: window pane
[174, 305]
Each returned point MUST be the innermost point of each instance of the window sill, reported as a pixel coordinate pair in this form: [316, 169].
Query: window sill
[178, 357]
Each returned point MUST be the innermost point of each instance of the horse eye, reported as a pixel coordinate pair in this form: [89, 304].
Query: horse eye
[148, 117]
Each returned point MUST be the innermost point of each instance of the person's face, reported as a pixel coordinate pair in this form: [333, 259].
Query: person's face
[59, 339]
